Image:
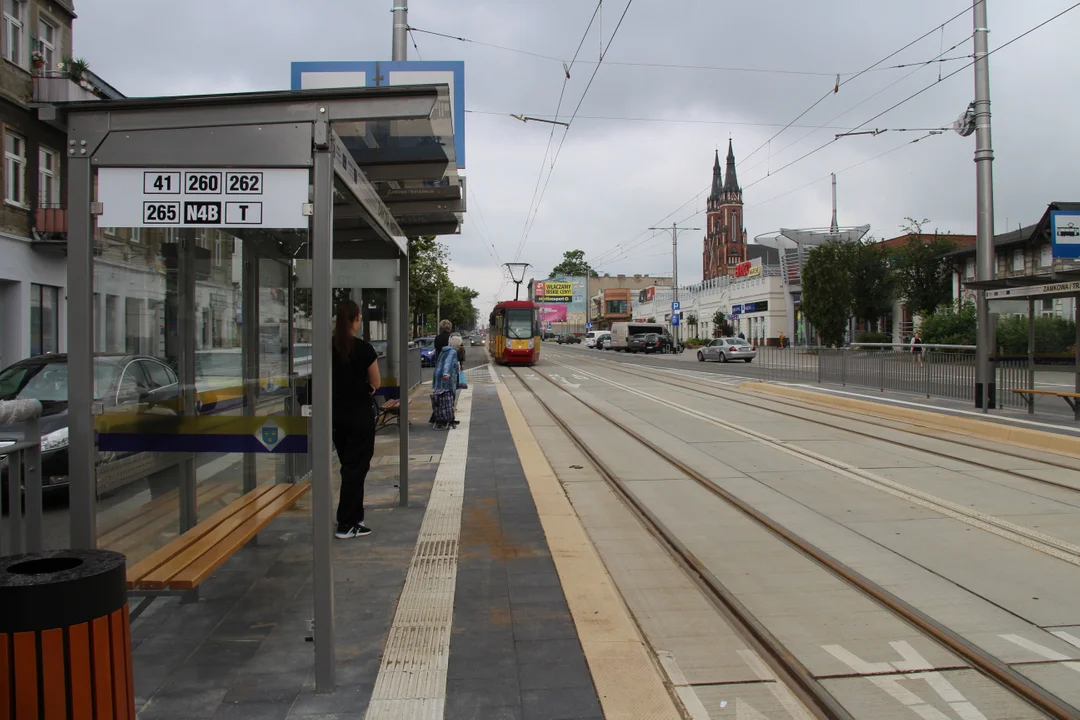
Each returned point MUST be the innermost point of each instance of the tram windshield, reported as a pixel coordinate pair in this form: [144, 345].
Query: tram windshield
[519, 323]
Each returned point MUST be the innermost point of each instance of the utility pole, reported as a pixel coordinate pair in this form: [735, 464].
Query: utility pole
[675, 273]
[400, 48]
[834, 227]
[438, 305]
[985, 387]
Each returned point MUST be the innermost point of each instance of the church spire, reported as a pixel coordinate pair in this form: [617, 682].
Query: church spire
[731, 183]
[717, 178]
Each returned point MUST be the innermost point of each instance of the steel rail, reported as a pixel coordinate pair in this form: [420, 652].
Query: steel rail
[976, 657]
[720, 394]
[788, 668]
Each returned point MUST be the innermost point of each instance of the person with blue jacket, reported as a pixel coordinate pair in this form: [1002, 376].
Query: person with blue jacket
[447, 368]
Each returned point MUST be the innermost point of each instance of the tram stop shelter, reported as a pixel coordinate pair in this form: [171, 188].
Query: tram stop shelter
[209, 238]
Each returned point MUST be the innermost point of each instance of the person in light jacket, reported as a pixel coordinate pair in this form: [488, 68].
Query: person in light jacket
[447, 367]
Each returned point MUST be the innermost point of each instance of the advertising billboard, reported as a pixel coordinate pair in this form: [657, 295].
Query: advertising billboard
[561, 289]
[552, 313]
[750, 268]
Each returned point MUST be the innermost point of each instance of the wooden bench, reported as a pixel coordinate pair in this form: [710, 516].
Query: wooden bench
[1070, 397]
[389, 408]
[183, 564]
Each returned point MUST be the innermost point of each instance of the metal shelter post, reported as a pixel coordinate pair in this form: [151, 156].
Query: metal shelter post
[404, 381]
[984, 241]
[319, 438]
[1076, 381]
[1031, 354]
[81, 474]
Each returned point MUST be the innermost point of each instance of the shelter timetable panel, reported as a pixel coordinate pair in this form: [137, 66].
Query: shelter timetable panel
[204, 197]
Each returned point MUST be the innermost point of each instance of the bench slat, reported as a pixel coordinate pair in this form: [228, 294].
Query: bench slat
[216, 555]
[1048, 392]
[158, 578]
[121, 537]
[159, 557]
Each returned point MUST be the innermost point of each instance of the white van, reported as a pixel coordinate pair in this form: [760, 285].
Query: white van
[621, 332]
[596, 338]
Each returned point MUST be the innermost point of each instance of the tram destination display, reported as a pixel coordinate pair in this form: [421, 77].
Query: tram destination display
[205, 197]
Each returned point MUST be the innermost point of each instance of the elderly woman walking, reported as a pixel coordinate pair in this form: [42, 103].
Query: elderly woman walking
[444, 386]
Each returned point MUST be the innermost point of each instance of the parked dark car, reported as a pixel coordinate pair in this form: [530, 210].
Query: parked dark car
[569, 340]
[549, 336]
[119, 381]
[427, 351]
[655, 343]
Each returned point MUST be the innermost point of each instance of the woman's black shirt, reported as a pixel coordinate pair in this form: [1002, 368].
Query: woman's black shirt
[352, 392]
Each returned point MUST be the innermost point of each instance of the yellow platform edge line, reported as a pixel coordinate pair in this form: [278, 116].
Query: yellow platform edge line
[982, 429]
[628, 678]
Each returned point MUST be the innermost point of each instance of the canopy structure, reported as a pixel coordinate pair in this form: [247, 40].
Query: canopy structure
[244, 212]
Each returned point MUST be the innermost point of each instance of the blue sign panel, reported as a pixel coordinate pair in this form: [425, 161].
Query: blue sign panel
[675, 306]
[674, 321]
[323, 75]
[1065, 233]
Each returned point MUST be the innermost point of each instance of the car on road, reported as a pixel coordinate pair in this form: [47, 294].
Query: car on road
[726, 350]
[569, 340]
[121, 382]
[600, 337]
[549, 336]
[477, 340]
[427, 351]
[655, 343]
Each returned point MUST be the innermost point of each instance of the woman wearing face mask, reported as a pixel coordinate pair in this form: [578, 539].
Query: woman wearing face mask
[355, 380]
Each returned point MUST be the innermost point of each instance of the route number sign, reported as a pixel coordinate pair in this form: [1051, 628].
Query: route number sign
[225, 198]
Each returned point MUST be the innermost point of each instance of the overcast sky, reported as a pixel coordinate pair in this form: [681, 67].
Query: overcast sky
[642, 143]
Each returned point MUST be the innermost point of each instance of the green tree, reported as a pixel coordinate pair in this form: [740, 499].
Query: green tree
[872, 284]
[691, 321]
[428, 276]
[721, 326]
[946, 326]
[827, 291]
[573, 265]
[923, 275]
[651, 319]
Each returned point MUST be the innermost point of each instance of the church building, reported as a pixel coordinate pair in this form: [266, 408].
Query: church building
[725, 237]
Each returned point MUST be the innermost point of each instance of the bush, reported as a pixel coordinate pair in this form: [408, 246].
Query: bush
[873, 337]
[694, 342]
[946, 326]
[1053, 335]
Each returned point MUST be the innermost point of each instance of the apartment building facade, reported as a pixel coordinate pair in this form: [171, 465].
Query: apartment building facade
[36, 69]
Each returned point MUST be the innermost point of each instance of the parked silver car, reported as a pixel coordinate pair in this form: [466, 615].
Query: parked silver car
[725, 349]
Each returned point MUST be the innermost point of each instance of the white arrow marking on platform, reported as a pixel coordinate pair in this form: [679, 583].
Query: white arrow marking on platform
[1043, 650]
[691, 702]
[563, 380]
[579, 377]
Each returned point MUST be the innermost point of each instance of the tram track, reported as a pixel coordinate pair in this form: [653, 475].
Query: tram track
[788, 668]
[781, 408]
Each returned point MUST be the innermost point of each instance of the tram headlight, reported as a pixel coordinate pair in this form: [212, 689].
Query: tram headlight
[531, 341]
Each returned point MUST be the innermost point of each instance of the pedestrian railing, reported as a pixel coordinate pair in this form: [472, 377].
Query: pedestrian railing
[20, 465]
[944, 371]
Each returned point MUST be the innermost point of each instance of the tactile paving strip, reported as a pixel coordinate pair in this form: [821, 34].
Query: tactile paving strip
[412, 676]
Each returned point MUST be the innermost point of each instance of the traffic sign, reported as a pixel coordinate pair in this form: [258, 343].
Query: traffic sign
[675, 306]
[549, 326]
[674, 321]
[1065, 233]
[588, 326]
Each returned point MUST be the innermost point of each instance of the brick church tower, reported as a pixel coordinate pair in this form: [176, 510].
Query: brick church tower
[725, 237]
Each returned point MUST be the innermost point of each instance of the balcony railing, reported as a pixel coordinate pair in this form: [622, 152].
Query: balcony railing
[50, 219]
[56, 87]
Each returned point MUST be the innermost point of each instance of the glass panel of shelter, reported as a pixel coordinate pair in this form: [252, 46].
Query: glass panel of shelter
[215, 310]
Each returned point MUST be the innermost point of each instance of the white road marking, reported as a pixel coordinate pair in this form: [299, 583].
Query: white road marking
[561, 379]
[412, 674]
[1042, 650]
[1067, 637]
[746, 711]
[1027, 537]
[937, 408]
[690, 701]
[911, 660]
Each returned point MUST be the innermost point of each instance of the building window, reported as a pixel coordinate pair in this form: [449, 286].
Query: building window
[44, 319]
[47, 43]
[969, 269]
[14, 169]
[1018, 261]
[48, 178]
[616, 307]
[1046, 255]
[14, 11]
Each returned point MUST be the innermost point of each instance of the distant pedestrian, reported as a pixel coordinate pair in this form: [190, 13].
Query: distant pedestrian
[741, 335]
[916, 349]
[355, 377]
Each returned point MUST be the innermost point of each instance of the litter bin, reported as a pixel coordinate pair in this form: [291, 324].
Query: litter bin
[65, 636]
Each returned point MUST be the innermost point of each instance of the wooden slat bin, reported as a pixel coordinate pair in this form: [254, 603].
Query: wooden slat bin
[65, 640]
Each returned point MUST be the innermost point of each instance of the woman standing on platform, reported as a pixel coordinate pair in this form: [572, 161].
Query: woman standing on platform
[355, 379]
[444, 388]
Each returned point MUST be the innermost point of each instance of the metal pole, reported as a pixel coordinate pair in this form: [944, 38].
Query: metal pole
[1076, 382]
[1031, 354]
[82, 477]
[675, 280]
[31, 456]
[322, 506]
[438, 304]
[404, 382]
[984, 243]
[400, 49]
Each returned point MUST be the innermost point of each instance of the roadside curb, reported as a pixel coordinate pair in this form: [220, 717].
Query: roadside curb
[995, 432]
